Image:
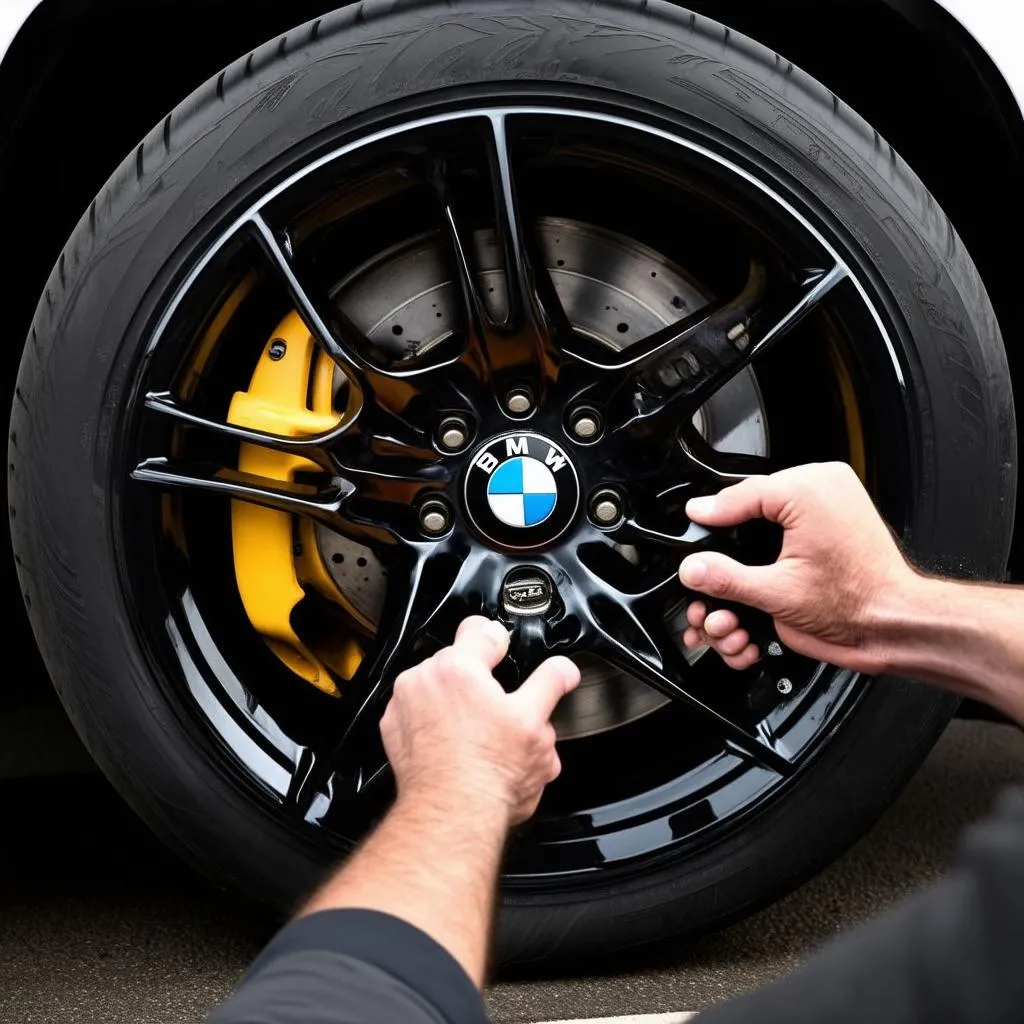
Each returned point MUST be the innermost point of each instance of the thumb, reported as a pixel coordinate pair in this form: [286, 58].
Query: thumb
[718, 575]
[540, 693]
[732, 506]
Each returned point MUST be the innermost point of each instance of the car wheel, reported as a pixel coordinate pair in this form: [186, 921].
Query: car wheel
[431, 309]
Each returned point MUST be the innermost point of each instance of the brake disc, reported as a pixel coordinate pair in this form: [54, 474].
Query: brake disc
[614, 290]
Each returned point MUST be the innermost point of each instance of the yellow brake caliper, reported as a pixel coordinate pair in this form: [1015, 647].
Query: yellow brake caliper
[271, 561]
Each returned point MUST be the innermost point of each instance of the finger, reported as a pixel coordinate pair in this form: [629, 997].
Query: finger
[733, 644]
[693, 638]
[717, 575]
[732, 506]
[482, 638]
[696, 613]
[749, 656]
[721, 623]
[540, 694]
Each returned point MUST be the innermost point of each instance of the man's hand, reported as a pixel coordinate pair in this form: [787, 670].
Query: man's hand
[838, 563]
[451, 729]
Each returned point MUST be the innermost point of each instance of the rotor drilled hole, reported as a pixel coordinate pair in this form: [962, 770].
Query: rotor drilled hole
[397, 329]
[622, 328]
[361, 562]
[677, 302]
[559, 263]
[337, 558]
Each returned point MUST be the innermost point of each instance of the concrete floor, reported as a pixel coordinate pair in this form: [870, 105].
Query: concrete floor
[99, 924]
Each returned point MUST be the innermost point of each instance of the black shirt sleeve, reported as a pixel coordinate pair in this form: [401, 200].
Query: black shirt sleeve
[353, 967]
[953, 954]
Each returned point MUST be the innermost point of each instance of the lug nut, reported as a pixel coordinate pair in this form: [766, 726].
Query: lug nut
[519, 401]
[435, 517]
[606, 508]
[454, 433]
[585, 424]
[784, 686]
[277, 349]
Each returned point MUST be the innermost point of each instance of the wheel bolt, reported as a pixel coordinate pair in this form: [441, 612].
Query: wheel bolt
[585, 424]
[519, 401]
[784, 686]
[435, 517]
[454, 433]
[606, 507]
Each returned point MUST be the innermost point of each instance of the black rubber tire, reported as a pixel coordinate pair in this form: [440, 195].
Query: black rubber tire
[296, 95]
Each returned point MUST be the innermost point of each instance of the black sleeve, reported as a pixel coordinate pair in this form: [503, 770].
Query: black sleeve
[353, 967]
[954, 954]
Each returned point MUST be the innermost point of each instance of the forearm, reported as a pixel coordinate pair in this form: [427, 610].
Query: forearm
[968, 638]
[433, 862]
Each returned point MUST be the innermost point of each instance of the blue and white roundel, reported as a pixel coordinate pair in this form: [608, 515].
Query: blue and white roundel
[522, 492]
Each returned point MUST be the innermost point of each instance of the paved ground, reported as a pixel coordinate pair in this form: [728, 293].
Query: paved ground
[98, 924]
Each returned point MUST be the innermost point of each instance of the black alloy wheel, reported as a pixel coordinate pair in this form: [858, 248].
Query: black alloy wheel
[470, 350]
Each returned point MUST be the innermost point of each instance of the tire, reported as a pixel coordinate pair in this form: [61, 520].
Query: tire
[359, 66]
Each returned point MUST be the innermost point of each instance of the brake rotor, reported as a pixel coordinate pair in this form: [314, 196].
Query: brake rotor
[612, 289]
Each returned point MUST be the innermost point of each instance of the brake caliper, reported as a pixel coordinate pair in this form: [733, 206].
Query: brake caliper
[275, 553]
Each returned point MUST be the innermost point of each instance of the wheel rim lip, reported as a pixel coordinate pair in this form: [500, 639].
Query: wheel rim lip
[533, 110]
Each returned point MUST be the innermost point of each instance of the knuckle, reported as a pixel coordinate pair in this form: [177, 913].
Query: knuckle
[448, 661]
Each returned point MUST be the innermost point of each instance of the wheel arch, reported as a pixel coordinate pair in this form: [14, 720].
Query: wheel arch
[75, 62]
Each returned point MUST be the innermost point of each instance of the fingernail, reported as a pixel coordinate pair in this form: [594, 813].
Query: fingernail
[694, 571]
[698, 508]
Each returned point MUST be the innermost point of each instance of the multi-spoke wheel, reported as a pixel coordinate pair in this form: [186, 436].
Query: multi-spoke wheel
[352, 354]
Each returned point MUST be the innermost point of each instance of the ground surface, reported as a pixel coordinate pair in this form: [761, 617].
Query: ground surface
[99, 924]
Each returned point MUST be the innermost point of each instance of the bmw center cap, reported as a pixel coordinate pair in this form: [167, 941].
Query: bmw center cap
[521, 490]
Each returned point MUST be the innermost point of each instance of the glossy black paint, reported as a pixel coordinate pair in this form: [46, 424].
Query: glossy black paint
[382, 463]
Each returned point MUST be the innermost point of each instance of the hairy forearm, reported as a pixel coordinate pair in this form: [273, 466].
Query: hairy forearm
[433, 862]
[966, 637]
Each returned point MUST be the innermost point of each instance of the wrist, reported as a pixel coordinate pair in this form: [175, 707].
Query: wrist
[462, 799]
[898, 620]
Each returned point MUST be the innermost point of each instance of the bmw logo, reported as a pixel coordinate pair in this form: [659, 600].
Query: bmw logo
[521, 490]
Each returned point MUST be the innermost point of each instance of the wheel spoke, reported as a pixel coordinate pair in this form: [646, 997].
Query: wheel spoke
[518, 343]
[724, 468]
[683, 365]
[337, 338]
[661, 666]
[345, 777]
[323, 505]
[308, 447]
[385, 394]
